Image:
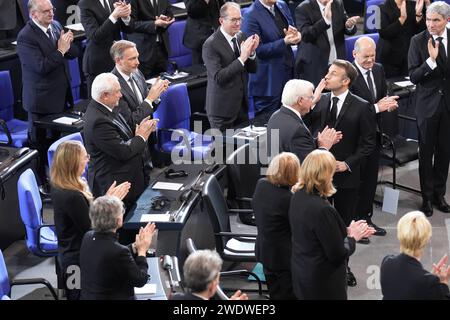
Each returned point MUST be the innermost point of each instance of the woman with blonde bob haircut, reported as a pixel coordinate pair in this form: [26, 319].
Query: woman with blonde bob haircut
[271, 206]
[403, 277]
[71, 199]
[321, 244]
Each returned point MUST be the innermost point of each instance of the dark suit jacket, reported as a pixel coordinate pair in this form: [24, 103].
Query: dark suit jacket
[116, 153]
[100, 33]
[275, 58]
[226, 91]
[355, 120]
[45, 72]
[293, 135]
[71, 211]
[402, 277]
[320, 248]
[145, 31]
[393, 45]
[9, 18]
[314, 49]
[202, 21]
[432, 85]
[271, 206]
[109, 270]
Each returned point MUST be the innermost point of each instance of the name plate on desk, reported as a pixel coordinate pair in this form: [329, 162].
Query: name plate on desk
[167, 186]
[155, 217]
[67, 120]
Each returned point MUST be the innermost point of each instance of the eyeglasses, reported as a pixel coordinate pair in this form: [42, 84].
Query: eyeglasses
[235, 20]
[49, 11]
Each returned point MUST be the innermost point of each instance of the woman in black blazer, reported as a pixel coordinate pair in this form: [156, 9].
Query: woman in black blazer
[321, 244]
[71, 199]
[403, 277]
[271, 206]
[400, 20]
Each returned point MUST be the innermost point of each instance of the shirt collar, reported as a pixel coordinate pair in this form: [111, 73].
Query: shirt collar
[44, 29]
[443, 35]
[341, 97]
[294, 111]
[321, 6]
[125, 76]
[104, 105]
[266, 6]
[363, 71]
[226, 35]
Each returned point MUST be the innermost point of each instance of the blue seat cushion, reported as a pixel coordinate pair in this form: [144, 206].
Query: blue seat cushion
[200, 144]
[18, 130]
[48, 240]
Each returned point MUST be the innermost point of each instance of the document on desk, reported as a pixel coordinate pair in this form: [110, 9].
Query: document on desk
[75, 27]
[66, 120]
[179, 5]
[404, 84]
[149, 288]
[167, 186]
[158, 217]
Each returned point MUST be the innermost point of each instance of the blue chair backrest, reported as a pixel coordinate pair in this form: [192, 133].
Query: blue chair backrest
[52, 149]
[30, 205]
[372, 18]
[350, 43]
[75, 79]
[5, 287]
[178, 52]
[6, 96]
[244, 11]
[26, 12]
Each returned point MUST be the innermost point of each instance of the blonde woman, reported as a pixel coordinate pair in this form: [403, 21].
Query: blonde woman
[271, 206]
[71, 200]
[402, 276]
[321, 244]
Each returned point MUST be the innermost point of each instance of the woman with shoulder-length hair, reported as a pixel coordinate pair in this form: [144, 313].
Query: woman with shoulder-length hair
[321, 244]
[71, 199]
[403, 277]
[271, 206]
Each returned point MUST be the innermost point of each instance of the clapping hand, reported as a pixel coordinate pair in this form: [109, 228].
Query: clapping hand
[433, 51]
[144, 239]
[119, 191]
[359, 229]
[351, 22]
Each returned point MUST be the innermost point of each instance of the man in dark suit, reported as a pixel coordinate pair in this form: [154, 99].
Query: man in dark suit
[228, 57]
[43, 49]
[370, 84]
[115, 148]
[151, 20]
[293, 134]
[271, 20]
[103, 21]
[323, 24]
[429, 69]
[202, 21]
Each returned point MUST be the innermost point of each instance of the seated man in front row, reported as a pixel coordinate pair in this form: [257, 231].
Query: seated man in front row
[114, 146]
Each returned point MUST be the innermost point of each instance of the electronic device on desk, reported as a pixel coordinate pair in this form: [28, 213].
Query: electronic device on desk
[170, 264]
[403, 84]
[175, 74]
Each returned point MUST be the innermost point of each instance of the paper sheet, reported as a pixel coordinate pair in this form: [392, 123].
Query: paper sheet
[179, 5]
[404, 84]
[163, 217]
[149, 288]
[66, 120]
[390, 200]
[167, 186]
[75, 27]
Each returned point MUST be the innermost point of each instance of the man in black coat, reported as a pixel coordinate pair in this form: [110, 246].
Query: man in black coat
[429, 69]
[202, 21]
[370, 84]
[115, 148]
[103, 21]
[228, 57]
[323, 24]
[151, 20]
[293, 135]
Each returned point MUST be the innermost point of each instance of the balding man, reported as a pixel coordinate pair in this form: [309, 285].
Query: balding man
[370, 84]
[115, 147]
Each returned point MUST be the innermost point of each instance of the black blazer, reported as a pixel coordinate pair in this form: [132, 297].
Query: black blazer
[116, 153]
[402, 277]
[71, 214]
[109, 270]
[226, 91]
[393, 45]
[271, 206]
[355, 120]
[293, 135]
[144, 15]
[320, 248]
[432, 85]
[100, 34]
[202, 21]
[314, 49]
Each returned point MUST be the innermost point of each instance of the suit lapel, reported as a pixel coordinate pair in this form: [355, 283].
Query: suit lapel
[125, 88]
[42, 35]
[345, 107]
[124, 129]
[324, 110]
[224, 43]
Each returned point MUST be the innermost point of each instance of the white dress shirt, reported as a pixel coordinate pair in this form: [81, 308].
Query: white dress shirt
[364, 73]
[341, 100]
[333, 53]
[433, 64]
[127, 80]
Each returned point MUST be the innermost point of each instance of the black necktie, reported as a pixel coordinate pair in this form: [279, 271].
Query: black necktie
[332, 115]
[50, 36]
[106, 6]
[441, 55]
[123, 124]
[155, 7]
[370, 82]
[135, 89]
[235, 48]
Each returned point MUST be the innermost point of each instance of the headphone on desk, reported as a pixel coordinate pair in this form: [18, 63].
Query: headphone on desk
[160, 202]
[171, 173]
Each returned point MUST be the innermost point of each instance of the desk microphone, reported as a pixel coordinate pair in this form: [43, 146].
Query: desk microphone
[167, 265]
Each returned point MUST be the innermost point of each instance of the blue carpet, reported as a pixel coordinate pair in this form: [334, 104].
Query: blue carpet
[258, 270]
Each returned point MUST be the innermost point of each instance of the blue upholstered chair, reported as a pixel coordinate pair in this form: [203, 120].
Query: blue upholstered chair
[13, 132]
[5, 284]
[350, 43]
[178, 52]
[75, 79]
[174, 115]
